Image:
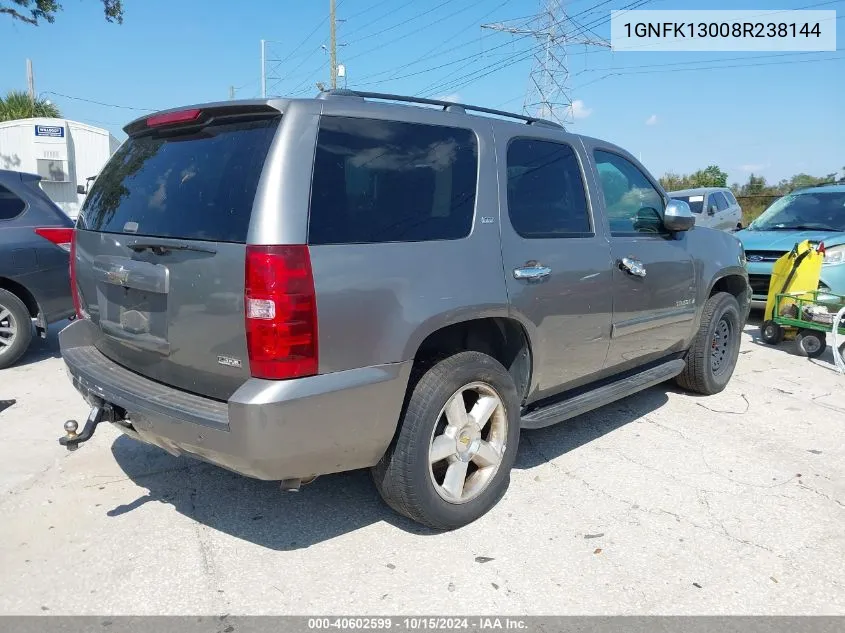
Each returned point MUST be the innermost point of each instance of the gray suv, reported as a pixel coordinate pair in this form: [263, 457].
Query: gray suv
[295, 287]
[35, 237]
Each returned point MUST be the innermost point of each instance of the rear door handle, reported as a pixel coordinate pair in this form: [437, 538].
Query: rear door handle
[534, 271]
[632, 266]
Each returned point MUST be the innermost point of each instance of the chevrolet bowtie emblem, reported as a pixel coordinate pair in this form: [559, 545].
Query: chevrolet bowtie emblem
[118, 277]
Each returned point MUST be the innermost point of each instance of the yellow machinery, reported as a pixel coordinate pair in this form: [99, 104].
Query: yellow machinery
[796, 273]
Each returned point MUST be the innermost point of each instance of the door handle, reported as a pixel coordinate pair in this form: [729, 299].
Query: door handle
[533, 271]
[632, 266]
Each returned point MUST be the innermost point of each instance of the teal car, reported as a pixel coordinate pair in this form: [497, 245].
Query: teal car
[816, 214]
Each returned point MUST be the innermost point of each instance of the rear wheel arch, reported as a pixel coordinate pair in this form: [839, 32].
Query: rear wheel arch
[502, 338]
[22, 293]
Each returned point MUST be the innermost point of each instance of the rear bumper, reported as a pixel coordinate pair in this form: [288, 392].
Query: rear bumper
[267, 430]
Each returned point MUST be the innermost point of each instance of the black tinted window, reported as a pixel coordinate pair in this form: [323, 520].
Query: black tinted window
[386, 181]
[10, 205]
[545, 190]
[719, 199]
[195, 186]
[633, 204]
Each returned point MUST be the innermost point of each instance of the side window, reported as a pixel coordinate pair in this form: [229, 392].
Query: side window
[388, 181]
[632, 203]
[546, 196]
[719, 199]
[730, 198]
[10, 205]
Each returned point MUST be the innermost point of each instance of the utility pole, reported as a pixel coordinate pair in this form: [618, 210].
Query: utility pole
[548, 95]
[30, 82]
[231, 92]
[263, 70]
[333, 43]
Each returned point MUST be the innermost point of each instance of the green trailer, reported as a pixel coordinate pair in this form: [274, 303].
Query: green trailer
[808, 316]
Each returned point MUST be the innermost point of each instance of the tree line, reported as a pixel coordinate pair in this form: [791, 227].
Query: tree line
[755, 194]
[35, 11]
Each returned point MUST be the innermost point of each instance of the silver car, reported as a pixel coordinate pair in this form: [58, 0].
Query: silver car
[714, 207]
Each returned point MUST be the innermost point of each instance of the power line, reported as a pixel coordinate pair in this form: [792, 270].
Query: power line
[388, 14]
[674, 70]
[100, 103]
[425, 55]
[398, 25]
[485, 71]
[417, 16]
[622, 69]
[452, 63]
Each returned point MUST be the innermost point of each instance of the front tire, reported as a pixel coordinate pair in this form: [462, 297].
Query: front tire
[712, 357]
[450, 461]
[15, 328]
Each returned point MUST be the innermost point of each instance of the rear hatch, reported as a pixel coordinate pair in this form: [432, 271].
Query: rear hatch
[160, 246]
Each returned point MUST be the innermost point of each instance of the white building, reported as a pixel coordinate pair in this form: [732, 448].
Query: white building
[64, 153]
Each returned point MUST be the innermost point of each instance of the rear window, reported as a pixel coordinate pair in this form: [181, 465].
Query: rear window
[388, 181]
[197, 185]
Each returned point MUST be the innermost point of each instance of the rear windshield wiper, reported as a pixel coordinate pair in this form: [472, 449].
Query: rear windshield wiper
[163, 249]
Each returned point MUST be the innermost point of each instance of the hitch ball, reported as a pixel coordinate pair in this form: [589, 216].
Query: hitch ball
[70, 433]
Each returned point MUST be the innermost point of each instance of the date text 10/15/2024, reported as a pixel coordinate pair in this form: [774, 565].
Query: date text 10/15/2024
[417, 623]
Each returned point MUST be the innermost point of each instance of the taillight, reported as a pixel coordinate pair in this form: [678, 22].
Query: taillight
[74, 288]
[281, 312]
[60, 236]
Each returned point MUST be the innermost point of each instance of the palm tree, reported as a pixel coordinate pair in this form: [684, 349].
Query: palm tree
[17, 105]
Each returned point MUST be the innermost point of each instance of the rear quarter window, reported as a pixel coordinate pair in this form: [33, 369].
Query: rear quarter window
[11, 206]
[196, 185]
[390, 181]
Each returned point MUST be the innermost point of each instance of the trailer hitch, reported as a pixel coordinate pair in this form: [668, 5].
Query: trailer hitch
[72, 439]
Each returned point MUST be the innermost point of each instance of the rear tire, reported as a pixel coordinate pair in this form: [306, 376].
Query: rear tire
[438, 436]
[811, 343]
[15, 328]
[771, 332]
[712, 357]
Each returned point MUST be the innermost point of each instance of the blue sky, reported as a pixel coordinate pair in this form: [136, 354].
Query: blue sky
[775, 115]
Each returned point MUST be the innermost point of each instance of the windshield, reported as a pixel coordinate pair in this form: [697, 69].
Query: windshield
[696, 203]
[804, 211]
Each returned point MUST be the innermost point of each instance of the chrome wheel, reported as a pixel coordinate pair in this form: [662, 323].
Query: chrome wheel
[720, 347]
[8, 329]
[468, 442]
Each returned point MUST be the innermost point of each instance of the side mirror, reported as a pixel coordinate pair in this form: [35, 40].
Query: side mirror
[80, 189]
[677, 217]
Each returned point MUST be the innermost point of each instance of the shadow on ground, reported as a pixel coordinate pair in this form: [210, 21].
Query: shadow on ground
[755, 321]
[258, 512]
[43, 348]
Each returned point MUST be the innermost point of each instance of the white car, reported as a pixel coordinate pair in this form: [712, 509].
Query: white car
[714, 207]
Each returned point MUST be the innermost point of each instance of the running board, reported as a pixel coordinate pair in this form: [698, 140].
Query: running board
[600, 396]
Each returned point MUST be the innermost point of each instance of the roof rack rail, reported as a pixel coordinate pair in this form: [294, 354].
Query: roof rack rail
[450, 106]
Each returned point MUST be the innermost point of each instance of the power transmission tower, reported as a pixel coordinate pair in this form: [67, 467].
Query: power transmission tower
[548, 95]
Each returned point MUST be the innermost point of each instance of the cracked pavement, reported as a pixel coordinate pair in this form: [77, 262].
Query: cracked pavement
[663, 503]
